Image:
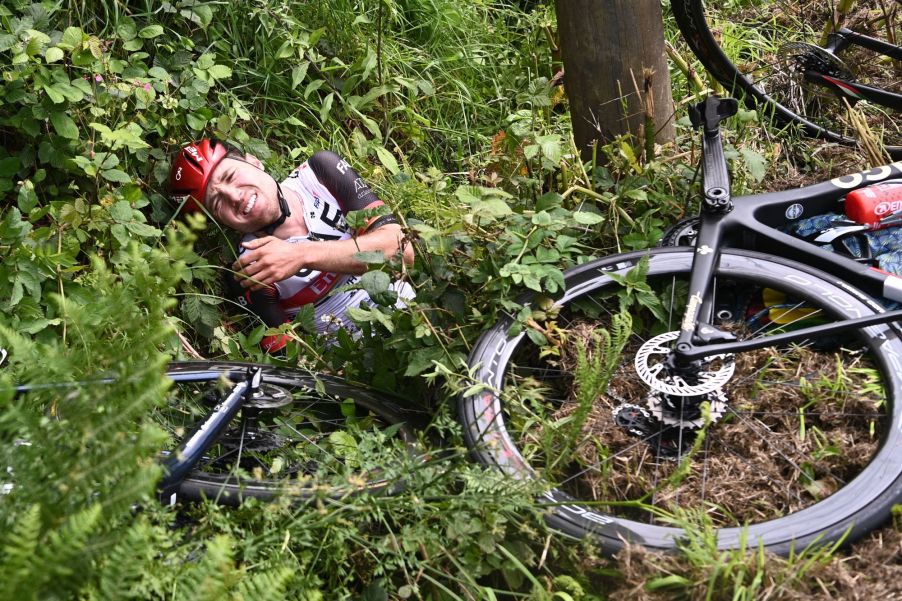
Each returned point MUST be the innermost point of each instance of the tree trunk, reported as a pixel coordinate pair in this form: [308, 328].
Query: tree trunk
[612, 50]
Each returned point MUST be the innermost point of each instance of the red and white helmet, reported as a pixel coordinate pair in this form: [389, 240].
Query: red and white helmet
[192, 168]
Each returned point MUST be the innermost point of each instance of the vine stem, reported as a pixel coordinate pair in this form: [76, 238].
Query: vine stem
[59, 280]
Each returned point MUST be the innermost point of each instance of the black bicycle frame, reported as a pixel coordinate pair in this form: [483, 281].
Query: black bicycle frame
[839, 41]
[180, 462]
[751, 222]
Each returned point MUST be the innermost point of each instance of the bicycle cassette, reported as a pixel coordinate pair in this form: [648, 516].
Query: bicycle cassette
[663, 409]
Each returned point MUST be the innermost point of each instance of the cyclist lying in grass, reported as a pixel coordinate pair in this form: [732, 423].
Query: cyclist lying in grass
[279, 223]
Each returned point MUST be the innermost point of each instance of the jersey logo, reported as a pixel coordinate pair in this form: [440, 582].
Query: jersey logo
[342, 167]
[335, 221]
[359, 184]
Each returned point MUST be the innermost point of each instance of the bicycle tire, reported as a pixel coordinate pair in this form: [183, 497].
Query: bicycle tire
[297, 434]
[738, 46]
[500, 422]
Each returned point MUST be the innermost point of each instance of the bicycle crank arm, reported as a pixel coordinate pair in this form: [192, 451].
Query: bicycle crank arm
[180, 463]
[693, 352]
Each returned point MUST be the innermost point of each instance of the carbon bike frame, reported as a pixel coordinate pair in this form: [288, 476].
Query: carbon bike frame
[839, 41]
[751, 223]
[179, 463]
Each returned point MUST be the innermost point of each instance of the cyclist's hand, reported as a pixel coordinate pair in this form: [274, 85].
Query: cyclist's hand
[268, 260]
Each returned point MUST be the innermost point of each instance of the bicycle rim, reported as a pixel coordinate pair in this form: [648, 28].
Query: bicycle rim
[799, 446]
[759, 50]
[303, 435]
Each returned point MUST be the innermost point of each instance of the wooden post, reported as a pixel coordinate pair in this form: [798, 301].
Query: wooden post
[607, 48]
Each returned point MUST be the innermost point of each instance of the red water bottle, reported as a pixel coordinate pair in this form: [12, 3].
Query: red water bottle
[876, 206]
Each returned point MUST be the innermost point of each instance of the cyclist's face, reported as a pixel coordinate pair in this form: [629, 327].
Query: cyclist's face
[241, 196]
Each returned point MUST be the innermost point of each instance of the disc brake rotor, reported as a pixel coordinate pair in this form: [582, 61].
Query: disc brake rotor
[709, 375]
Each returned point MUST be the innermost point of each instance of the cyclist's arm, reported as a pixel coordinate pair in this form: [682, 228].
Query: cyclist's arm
[264, 303]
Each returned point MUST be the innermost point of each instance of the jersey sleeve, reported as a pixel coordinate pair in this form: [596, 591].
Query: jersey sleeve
[262, 303]
[348, 188]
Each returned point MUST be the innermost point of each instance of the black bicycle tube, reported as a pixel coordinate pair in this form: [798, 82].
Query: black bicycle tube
[856, 91]
[811, 333]
[877, 45]
[182, 461]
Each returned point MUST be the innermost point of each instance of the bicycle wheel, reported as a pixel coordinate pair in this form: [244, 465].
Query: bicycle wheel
[301, 435]
[797, 445]
[760, 49]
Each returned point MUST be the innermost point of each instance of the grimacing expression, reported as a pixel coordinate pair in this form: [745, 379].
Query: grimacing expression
[241, 196]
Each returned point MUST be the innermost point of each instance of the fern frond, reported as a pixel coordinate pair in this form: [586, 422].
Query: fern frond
[17, 563]
[264, 586]
[210, 578]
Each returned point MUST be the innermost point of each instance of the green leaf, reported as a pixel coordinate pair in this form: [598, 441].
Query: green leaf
[666, 582]
[121, 211]
[541, 218]
[143, 229]
[375, 282]
[151, 31]
[587, 218]
[326, 107]
[551, 147]
[370, 257]
[219, 72]
[422, 360]
[387, 159]
[13, 228]
[298, 74]
[312, 87]
[27, 197]
[755, 163]
[9, 166]
[369, 316]
[72, 38]
[196, 121]
[126, 29]
[206, 60]
[36, 42]
[64, 125]
[116, 175]
[54, 95]
[549, 200]
[53, 54]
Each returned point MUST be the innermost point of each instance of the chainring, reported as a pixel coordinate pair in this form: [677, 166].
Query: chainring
[805, 56]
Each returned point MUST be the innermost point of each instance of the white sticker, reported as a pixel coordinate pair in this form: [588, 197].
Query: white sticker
[794, 211]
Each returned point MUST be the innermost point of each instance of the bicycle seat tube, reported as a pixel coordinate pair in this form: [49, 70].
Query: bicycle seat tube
[716, 203]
